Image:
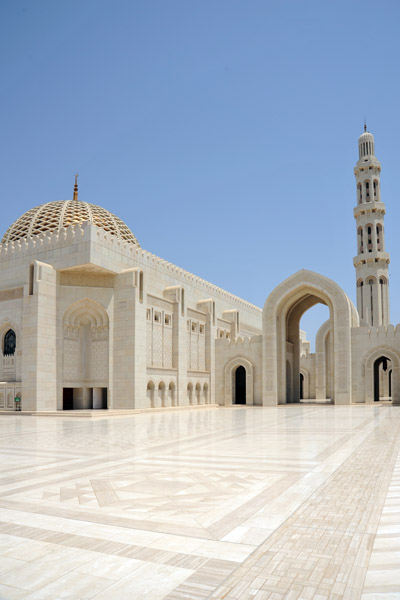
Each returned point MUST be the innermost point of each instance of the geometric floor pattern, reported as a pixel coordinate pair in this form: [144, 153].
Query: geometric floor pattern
[244, 503]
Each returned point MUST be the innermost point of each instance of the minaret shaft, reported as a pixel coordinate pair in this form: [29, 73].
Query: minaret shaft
[371, 262]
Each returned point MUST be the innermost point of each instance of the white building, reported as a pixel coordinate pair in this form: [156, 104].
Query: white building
[88, 319]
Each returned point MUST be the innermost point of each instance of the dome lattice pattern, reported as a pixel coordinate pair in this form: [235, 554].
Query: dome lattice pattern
[62, 213]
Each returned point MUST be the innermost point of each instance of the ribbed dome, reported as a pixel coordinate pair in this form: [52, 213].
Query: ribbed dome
[366, 137]
[62, 213]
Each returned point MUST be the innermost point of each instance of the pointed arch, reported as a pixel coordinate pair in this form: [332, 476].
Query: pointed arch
[10, 344]
[86, 308]
[281, 317]
[7, 324]
[369, 360]
[229, 374]
[85, 345]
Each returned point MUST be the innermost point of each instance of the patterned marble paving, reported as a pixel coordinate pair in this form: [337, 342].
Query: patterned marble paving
[292, 502]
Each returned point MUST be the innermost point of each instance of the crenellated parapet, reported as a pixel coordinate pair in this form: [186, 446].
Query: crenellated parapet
[376, 335]
[43, 241]
[240, 344]
[384, 333]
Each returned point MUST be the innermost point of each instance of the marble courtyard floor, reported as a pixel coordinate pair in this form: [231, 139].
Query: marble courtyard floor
[238, 503]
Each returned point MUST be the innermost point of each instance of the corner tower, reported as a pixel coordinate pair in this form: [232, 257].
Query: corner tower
[371, 262]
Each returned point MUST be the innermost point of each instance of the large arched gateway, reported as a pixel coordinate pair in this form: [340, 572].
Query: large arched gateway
[281, 342]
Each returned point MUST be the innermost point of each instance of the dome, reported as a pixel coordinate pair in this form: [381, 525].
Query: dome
[52, 216]
[366, 144]
[366, 137]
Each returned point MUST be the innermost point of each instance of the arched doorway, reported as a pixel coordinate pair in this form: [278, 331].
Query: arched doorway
[301, 386]
[240, 386]
[382, 379]
[281, 342]
[230, 378]
[374, 374]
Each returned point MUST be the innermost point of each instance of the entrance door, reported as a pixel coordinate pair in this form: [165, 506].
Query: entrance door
[382, 379]
[68, 398]
[240, 385]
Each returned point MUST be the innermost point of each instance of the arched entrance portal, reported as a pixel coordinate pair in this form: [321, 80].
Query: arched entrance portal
[239, 381]
[375, 375]
[382, 379]
[85, 356]
[282, 312]
[240, 386]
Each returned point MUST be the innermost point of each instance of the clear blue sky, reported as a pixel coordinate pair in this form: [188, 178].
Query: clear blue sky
[223, 132]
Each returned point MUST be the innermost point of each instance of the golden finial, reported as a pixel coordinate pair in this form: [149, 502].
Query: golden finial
[76, 187]
[365, 124]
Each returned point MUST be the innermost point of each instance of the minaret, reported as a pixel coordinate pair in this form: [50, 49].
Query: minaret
[371, 262]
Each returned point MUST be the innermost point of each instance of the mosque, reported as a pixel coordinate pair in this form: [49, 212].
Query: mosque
[90, 320]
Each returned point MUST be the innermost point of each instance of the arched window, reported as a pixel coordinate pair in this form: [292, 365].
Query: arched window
[9, 343]
[359, 189]
[360, 240]
[369, 238]
[371, 289]
[376, 189]
[379, 236]
[360, 284]
[367, 190]
[382, 283]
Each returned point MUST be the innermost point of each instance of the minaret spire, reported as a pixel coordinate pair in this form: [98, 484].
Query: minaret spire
[76, 187]
[371, 262]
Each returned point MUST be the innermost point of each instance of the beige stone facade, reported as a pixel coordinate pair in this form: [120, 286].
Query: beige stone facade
[90, 320]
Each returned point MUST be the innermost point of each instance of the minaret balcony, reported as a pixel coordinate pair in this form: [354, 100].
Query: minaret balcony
[367, 207]
[367, 257]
